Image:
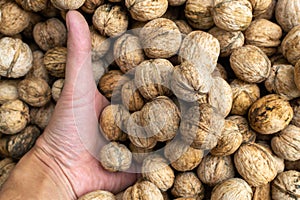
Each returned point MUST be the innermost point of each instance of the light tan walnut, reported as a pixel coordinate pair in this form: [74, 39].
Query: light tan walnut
[57, 89]
[138, 153]
[269, 13]
[290, 45]
[270, 114]
[8, 90]
[41, 116]
[260, 6]
[90, 6]
[220, 71]
[287, 14]
[33, 5]
[183, 27]
[14, 117]
[98, 195]
[262, 192]
[131, 97]
[144, 190]
[67, 4]
[55, 61]
[215, 169]
[296, 108]
[100, 44]
[6, 167]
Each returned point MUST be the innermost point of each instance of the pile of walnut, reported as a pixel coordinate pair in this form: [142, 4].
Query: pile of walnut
[205, 94]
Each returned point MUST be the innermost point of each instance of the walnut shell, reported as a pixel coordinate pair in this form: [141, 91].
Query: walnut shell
[250, 64]
[255, 164]
[128, 52]
[113, 122]
[14, 116]
[152, 78]
[296, 110]
[110, 20]
[201, 126]
[157, 170]
[115, 157]
[90, 6]
[234, 15]
[269, 13]
[100, 45]
[176, 2]
[297, 74]
[260, 6]
[57, 89]
[187, 185]
[290, 45]
[146, 10]
[34, 91]
[55, 61]
[38, 69]
[287, 14]
[138, 153]
[228, 40]
[6, 167]
[33, 5]
[67, 4]
[131, 97]
[286, 186]
[183, 27]
[215, 169]
[8, 90]
[244, 95]
[13, 19]
[160, 38]
[270, 114]
[220, 71]
[49, 34]
[98, 195]
[15, 57]
[181, 156]
[144, 190]
[161, 118]
[41, 116]
[198, 13]
[262, 193]
[232, 189]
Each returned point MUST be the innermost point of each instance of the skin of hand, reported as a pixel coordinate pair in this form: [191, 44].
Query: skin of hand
[71, 140]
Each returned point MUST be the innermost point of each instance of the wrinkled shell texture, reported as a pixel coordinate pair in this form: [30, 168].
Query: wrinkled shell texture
[255, 163]
[144, 190]
[290, 45]
[250, 64]
[57, 89]
[41, 116]
[67, 4]
[100, 45]
[115, 157]
[33, 5]
[260, 6]
[215, 169]
[262, 192]
[270, 114]
[183, 27]
[15, 57]
[98, 195]
[146, 10]
[297, 74]
[14, 116]
[6, 167]
[244, 128]
[90, 6]
[287, 14]
[232, 189]
[38, 69]
[8, 90]
[55, 61]
[131, 97]
[286, 186]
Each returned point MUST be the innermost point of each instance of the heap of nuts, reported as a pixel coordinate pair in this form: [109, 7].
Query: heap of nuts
[205, 94]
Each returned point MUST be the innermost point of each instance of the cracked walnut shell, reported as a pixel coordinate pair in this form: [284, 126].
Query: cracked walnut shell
[55, 61]
[98, 195]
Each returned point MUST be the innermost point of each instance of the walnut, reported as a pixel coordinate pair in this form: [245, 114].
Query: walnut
[290, 45]
[156, 169]
[128, 52]
[244, 95]
[113, 122]
[57, 89]
[15, 57]
[260, 6]
[232, 189]
[198, 13]
[286, 144]
[110, 20]
[98, 195]
[161, 118]
[176, 2]
[183, 27]
[181, 156]
[8, 90]
[131, 97]
[229, 140]
[33, 5]
[269, 13]
[138, 153]
[100, 45]
[115, 157]
[38, 69]
[201, 126]
[234, 15]
[41, 116]
[297, 74]
[265, 35]
[220, 96]
[144, 190]
[152, 78]
[286, 186]
[228, 40]
[55, 61]
[270, 114]
[160, 38]
[13, 19]
[296, 110]
[34, 91]
[146, 10]
[220, 71]
[281, 81]
[262, 192]
[188, 185]
[287, 14]
[215, 169]
[255, 164]
[67, 4]
[49, 34]
[14, 116]
[250, 64]
[202, 49]
[6, 167]
[90, 6]
[15, 146]
[189, 82]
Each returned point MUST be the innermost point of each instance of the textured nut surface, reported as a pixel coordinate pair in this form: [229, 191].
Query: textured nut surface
[98, 195]
[41, 116]
[8, 90]
[15, 57]
[38, 69]
[49, 34]
[67, 4]
[286, 186]
[144, 190]
[262, 192]
[33, 5]
[6, 167]
[250, 64]
[290, 45]
[57, 89]
[296, 110]
[146, 10]
[100, 45]
[260, 6]
[287, 14]
[255, 164]
[55, 61]
[115, 157]
[220, 71]
[297, 74]
[139, 154]
[269, 13]
[232, 189]
[183, 27]
[90, 6]
[131, 97]
[270, 114]
[14, 117]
